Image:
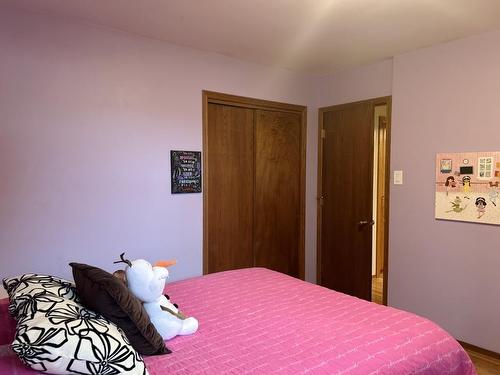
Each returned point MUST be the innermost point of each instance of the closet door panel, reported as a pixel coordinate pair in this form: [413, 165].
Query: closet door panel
[230, 182]
[277, 191]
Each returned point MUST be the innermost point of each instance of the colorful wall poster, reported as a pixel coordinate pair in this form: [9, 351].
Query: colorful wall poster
[185, 169]
[468, 187]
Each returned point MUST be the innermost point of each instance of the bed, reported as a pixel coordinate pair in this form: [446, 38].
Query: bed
[257, 321]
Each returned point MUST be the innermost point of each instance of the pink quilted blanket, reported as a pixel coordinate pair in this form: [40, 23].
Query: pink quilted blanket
[256, 321]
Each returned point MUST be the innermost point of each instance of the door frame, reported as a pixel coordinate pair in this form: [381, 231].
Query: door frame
[387, 100]
[381, 172]
[252, 103]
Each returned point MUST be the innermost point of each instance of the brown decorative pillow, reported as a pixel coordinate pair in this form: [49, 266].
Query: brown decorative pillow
[102, 292]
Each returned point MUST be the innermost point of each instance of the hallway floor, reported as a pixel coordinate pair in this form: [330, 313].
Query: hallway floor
[378, 290]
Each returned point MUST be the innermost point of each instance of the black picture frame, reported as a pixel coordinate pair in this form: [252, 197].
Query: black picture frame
[185, 172]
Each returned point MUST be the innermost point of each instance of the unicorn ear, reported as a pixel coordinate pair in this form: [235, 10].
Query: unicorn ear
[165, 263]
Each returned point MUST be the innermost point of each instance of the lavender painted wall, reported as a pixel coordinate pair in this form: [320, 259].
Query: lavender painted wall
[445, 99]
[366, 82]
[87, 119]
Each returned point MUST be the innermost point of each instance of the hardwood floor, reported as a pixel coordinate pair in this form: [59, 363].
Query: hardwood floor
[485, 365]
[378, 290]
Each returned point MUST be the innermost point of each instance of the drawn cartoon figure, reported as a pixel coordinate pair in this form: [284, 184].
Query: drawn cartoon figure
[481, 207]
[449, 184]
[456, 205]
[466, 186]
[494, 192]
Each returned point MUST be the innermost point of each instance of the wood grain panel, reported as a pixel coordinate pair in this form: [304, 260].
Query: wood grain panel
[277, 219]
[223, 235]
[229, 152]
[347, 189]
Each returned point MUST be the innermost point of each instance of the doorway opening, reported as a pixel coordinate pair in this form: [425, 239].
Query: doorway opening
[380, 169]
[353, 198]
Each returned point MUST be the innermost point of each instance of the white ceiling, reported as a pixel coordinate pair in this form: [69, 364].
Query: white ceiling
[315, 36]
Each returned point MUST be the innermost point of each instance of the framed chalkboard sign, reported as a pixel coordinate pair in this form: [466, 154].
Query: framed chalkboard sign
[185, 169]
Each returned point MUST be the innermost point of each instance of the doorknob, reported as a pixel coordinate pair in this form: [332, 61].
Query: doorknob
[367, 222]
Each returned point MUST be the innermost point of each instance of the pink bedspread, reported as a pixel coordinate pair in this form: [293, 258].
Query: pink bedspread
[256, 321]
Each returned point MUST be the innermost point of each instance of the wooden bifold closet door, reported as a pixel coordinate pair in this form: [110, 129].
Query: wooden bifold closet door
[254, 160]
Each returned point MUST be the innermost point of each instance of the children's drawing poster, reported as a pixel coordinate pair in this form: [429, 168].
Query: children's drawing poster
[468, 187]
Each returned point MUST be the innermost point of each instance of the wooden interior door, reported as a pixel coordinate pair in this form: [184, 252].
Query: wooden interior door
[253, 184]
[277, 190]
[347, 198]
[230, 181]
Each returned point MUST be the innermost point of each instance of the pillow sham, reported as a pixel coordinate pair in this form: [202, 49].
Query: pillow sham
[104, 293]
[24, 284]
[58, 335]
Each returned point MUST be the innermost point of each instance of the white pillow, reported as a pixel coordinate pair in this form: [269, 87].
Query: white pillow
[56, 334]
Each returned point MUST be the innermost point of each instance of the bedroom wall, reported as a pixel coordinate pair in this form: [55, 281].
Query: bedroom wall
[366, 82]
[88, 117]
[445, 99]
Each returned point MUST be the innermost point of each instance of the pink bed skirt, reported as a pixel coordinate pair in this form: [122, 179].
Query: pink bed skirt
[256, 321]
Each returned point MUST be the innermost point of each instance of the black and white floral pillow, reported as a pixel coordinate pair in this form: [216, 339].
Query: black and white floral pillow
[56, 334]
[24, 284]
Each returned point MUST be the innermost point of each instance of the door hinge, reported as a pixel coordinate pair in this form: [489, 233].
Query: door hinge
[321, 200]
[323, 134]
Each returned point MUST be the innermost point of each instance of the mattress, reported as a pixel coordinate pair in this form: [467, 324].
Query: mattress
[257, 321]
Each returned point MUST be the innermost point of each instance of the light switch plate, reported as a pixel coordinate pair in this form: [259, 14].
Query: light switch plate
[398, 177]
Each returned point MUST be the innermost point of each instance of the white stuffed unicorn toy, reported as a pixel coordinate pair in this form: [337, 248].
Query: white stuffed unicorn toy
[147, 282]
